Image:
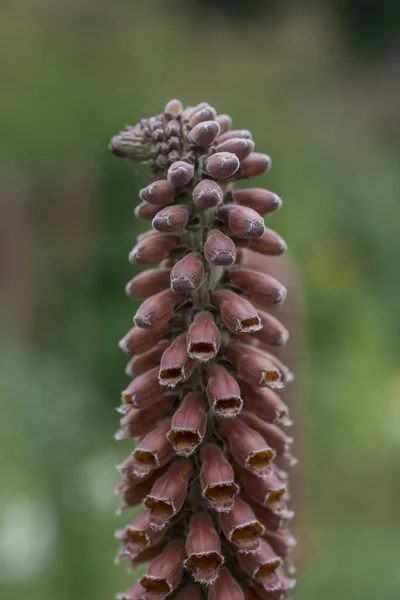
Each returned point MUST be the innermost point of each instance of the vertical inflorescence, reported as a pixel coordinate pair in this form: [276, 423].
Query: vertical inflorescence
[211, 456]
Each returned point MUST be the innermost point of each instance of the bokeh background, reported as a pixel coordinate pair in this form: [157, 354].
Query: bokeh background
[318, 84]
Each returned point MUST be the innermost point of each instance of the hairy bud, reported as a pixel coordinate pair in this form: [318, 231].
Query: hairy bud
[180, 173]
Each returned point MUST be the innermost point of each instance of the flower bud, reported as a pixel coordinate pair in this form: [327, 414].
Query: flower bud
[270, 243]
[219, 249]
[139, 535]
[188, 274]
[264, 403]
[260, 200]
[169, 493]
[272, 332]
[207, 194]
[217, 479]
[180, 173]
[235, 133]
[157, 311]
[248, 447]
[188, 425]
[160, 193]
[176, 366]
[223, 392]
[153, 451]
[138, 340]
[225, 588]
[255, 366]
[140, 422]
[129, 144]
[203, 113]
[203, 338]
[153, 248]
[172, 219]
[241, 220]
[237, 313]
[255, 164]
[224, 122]
[241, 527]
[262, 288]
[144, 362]
[148, 283]
[146, 211]
[164, 572]
[222, 165]
[261, 564]
[173, 108]
[203, 549]
[269, 491]
[242, 147]
[203, 134]
[190, 592]
[143, 390]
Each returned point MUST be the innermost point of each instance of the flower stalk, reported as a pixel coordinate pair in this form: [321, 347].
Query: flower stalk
[204, 400]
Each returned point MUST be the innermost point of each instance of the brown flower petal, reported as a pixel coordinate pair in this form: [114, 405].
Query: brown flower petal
[223, 392]
[164, 572]
[248, 447]
[203, 549]
[176, 366]
[188, 425]
[217, 479]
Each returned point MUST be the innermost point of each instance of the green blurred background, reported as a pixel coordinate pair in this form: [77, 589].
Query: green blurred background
[318, 84]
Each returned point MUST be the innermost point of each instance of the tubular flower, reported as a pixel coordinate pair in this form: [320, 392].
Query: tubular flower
[203, 402]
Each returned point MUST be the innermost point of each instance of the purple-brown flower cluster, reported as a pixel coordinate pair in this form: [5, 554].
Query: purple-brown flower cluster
[211, 455]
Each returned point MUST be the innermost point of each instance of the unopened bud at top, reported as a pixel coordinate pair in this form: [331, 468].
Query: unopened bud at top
[222, 165]
[160, 192]
[224, 122]
[255, 164]
[173, 108]
[204, 113]
[207, 194]
[180, 173]
[235, 133]
[242, 147]
[203, 134]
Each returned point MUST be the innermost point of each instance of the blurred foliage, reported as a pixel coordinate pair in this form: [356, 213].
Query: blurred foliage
[73, 73]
